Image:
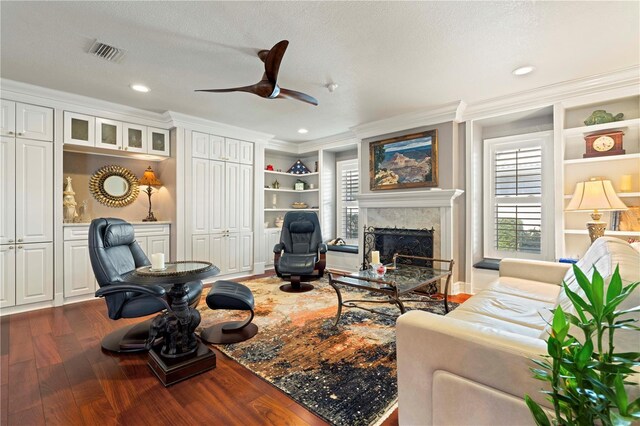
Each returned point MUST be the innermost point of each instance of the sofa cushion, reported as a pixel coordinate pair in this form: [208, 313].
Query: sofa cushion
[507, 308]
[494, 323]
[528, 289]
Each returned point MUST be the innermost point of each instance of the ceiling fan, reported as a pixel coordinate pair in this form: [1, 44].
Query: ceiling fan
[268, 86]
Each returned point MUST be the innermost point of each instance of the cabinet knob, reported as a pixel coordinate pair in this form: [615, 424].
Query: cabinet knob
[10, 247]
[10, 241]
[19, 247]
[11, 133]
[20, 134]
[19, 240]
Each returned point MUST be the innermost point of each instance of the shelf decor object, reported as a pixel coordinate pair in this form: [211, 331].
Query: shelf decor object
[595, 195]
[149, 180]
[114, 186]
[626, 183]
[69, 202]
[606, 143]
[601, 116]
[298, 168]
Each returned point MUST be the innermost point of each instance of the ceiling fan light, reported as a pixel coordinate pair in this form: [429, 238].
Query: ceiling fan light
[303, 131]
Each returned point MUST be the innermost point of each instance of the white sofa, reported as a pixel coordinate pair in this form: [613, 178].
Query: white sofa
[472, 365]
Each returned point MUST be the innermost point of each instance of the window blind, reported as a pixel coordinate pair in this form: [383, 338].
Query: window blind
[350, 182]
[517, 199]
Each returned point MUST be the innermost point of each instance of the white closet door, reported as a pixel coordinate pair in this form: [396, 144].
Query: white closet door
[34, 122]
[7, 118]
[233, 253]
[246, 251]
[232, 199]
[246, 152]
[78, 273]
[217, 207]
[232, 148]
[34, 191]
[200, 249]
[218, 252]
[199, 145]
[200, 193]
[245, 194]
[217, 149]
[7, 190]
[34, 273]
[7, 275]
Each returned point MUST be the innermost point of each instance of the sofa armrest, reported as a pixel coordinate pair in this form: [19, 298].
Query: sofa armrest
[535, 270]
[427, 343]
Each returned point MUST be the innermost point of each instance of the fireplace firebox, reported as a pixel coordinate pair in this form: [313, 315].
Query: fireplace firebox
[389, 241]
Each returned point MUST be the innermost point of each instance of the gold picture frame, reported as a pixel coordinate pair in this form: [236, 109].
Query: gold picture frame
[408, 161]
[114, 186]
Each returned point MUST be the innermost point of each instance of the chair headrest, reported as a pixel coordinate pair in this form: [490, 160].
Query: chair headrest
[301, 227]
[118, 234]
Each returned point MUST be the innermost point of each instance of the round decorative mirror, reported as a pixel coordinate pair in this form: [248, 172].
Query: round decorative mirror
[114, 186]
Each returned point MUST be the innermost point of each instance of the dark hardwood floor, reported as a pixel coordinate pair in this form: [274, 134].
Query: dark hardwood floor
[54, 372]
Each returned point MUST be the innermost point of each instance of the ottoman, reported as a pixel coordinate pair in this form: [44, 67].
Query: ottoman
[231, 296]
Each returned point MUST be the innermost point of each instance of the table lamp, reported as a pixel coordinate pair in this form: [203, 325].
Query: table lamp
[595, 195]
[149, 180]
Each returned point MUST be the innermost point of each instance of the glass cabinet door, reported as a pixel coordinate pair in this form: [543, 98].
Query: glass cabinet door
[158, 141]
[108, 134]
[135, 137]
[79, 129]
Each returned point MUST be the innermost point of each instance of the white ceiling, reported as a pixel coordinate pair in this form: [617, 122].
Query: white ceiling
[389, 58]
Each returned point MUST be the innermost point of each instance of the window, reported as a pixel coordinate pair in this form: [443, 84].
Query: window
[518, 201]
[347, 207]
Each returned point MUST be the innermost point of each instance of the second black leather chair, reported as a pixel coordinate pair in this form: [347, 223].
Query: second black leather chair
[114, 251]
[300, 255]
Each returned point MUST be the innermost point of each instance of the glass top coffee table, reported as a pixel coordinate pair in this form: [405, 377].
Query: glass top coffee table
[397, 284]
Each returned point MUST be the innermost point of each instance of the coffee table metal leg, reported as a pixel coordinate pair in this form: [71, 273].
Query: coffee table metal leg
[335, 287]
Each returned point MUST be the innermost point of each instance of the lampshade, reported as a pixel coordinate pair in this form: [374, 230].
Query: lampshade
[595, 194]
[149, 178]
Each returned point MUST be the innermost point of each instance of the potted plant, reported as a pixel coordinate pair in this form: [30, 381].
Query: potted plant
[587, 376]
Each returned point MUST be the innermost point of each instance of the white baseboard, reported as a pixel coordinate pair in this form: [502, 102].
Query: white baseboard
[460, 287]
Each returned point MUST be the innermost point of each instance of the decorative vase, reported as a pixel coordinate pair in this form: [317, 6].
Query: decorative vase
[69, 202]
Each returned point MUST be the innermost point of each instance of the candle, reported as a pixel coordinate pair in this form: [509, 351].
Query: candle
[375, 256]
[157, 261]
[625, 183]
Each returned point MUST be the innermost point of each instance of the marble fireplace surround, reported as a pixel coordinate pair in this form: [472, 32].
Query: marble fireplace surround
[415, 210]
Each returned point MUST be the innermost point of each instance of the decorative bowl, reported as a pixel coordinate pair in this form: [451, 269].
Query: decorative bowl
[299, 205]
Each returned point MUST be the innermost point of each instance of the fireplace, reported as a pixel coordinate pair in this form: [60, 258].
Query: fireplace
[389, 241]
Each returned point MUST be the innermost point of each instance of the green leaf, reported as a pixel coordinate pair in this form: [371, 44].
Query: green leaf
[615, 285]
[579, 303]
[621, 395]
[539, 415]
[584, 354]
[583, 282]
[559, 320]
[597, 288]
[554, 347]
[618, 420]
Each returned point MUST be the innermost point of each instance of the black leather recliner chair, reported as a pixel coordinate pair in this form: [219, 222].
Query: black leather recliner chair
[300, 254]
[114, 251]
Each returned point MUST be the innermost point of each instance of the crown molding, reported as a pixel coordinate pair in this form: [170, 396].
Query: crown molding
[334, 141]
[425, 117]
[38, 95]
[625, 79]
[283, 146]
[209, 126]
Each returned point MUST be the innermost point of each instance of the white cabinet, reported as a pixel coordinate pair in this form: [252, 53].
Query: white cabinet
[79, 129]
[7, 190]
[108, 134]
[34, 273]
[90, 131]
[221, 199]
[214, 147]
[34, 191]
[79, 279]
[26, 121]
[7, 275]
[271, 238]
[26, 204]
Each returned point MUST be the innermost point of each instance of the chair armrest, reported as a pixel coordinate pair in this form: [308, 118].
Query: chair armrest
[151, 290]
[278, 248]
[427, 343]
[535, 270]
[322, 248]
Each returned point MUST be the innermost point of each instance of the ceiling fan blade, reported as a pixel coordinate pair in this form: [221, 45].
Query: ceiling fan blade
[274, 57]
[292, 94]
[248, 89]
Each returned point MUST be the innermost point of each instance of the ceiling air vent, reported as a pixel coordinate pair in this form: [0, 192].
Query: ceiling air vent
[105, 51]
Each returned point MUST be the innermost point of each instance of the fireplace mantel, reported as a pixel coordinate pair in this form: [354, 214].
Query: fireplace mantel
[399, 199]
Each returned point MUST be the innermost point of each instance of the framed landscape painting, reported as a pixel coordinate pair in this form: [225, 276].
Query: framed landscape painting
[409, 161]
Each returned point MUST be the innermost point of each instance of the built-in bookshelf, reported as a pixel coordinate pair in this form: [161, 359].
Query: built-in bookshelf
[573, 241]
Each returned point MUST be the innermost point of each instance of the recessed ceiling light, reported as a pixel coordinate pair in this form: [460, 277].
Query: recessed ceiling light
[523, 70]
[303, 131]
[140, 88]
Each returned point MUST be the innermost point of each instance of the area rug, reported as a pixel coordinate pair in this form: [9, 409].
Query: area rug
[344, 374]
